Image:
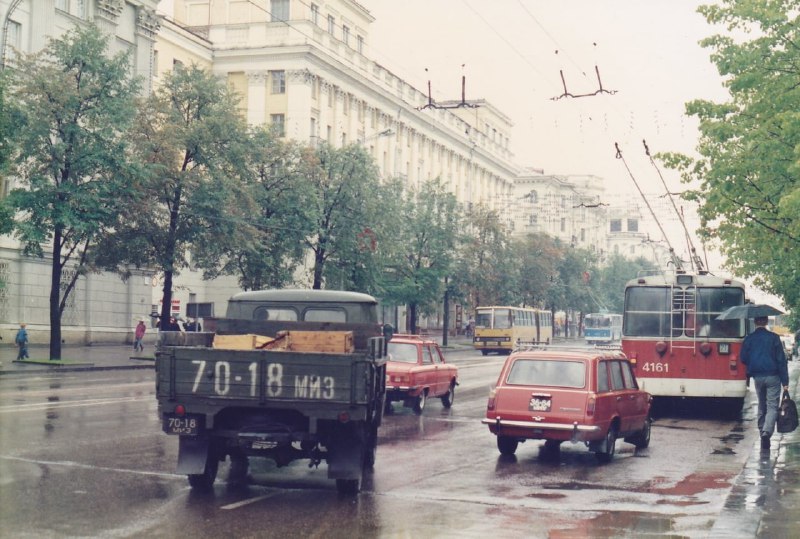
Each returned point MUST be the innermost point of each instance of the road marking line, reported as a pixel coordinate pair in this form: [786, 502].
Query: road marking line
[249, 501]
[58, 404]
[72, 464]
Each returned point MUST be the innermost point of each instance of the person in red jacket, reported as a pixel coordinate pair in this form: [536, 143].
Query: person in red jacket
[138, 334]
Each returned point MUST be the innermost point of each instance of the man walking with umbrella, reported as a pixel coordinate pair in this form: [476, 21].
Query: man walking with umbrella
[763, 355]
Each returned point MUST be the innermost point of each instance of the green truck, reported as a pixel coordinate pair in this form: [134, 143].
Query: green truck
[278, 403]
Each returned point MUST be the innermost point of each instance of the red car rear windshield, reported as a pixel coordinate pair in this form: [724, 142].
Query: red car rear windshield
[538, 372]
[400, 351]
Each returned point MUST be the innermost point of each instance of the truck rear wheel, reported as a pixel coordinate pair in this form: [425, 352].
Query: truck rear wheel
[205, 480]
[348, 487]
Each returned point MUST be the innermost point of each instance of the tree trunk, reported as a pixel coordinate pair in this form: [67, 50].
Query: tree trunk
[55, 297]
[319, 264]
[166, 301]
[412, 318]
[446, 316]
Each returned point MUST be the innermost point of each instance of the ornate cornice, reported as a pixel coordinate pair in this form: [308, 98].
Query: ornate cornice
[257, 77]
[110, 9]
[148, 22]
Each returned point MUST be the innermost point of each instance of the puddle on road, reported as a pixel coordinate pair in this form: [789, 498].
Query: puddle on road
[615, 524]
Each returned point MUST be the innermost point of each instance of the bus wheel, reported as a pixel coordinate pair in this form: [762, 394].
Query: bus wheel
[485, 352]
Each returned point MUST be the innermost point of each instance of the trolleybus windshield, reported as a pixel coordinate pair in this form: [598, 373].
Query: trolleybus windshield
[681, 312]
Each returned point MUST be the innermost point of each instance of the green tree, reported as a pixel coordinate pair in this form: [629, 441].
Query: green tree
[609, 284]
[72, 161]
[426, 243]
[747, 175]
[10, 121]
[193, 197]
[485, 259]
[277, 173]
[539, 255]
[344, 214]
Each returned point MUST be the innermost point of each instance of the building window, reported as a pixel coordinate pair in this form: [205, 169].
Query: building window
[63, 5]
[583, 234]
[346, 35]
[633, 225]
[344, 139]
[14, 39]
[80, 9]
[563, 224]
[279, 10]
[329, 134]
[278, 82]
[360, 44]
[278, 122]
[313, 127]
[332, 25]
[533, 219]
[176, 64]
[616, 225]
[315, 14]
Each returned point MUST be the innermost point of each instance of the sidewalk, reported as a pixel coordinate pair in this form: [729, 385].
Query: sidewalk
[76, 358]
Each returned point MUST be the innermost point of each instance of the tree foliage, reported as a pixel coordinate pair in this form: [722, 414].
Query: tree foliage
[609, 283]
[426, 242]
[191, 198]
[77, 104]
[276, 178]
[486, 261]
[343, 214]
[748, 171]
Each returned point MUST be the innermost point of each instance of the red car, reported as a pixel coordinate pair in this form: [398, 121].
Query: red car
[588, 397]
[415, 371]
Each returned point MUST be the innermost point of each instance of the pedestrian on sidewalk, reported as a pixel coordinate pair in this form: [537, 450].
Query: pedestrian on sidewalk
[138, 334]
[763, 355]
[22, 341]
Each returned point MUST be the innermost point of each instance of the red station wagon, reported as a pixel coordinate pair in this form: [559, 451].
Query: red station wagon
[415, 371]
[588, 397]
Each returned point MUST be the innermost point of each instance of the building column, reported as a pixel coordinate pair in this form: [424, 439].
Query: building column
[257, 97]
[147, 27]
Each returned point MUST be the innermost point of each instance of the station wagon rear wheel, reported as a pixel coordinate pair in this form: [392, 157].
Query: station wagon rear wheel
[507, 445]
[641, 439]
[419, 405]
[610, 446]
[450, 396]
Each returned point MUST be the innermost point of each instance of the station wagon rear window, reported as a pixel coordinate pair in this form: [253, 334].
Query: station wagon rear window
[536, 372]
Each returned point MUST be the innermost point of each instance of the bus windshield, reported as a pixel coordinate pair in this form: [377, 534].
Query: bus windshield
[676, 312]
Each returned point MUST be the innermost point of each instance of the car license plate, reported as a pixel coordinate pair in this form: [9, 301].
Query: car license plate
[539, 405]
[189, 425]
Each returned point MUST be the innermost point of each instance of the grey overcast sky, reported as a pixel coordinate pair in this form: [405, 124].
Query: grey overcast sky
[646, 51]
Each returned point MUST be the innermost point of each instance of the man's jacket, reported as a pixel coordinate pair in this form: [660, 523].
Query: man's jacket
[762, 353]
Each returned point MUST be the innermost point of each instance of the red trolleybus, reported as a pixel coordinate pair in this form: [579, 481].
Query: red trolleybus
[680, 349]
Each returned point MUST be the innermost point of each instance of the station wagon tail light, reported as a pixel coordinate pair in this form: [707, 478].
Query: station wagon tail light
[590, 403]
[490, 402]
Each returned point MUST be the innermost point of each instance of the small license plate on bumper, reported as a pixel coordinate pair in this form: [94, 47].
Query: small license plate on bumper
[189, 424]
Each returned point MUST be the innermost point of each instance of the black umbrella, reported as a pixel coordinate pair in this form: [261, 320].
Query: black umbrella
[748, 310]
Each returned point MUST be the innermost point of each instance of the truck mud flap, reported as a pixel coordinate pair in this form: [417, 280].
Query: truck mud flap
[192, 455]
[345, 461]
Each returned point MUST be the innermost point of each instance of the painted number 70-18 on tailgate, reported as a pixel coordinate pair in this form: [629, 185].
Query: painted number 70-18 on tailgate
[305, 386]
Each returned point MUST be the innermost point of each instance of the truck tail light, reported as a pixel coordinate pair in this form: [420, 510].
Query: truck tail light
[344, 417]
[590, 404]
[180, 409]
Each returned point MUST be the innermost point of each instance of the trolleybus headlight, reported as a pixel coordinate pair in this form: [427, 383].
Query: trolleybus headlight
[661, 348]
[705, 348]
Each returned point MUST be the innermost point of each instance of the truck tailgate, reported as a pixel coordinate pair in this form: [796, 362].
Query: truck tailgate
[264, 376]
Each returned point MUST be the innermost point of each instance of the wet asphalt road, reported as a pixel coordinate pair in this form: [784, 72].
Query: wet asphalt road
[82, 455]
